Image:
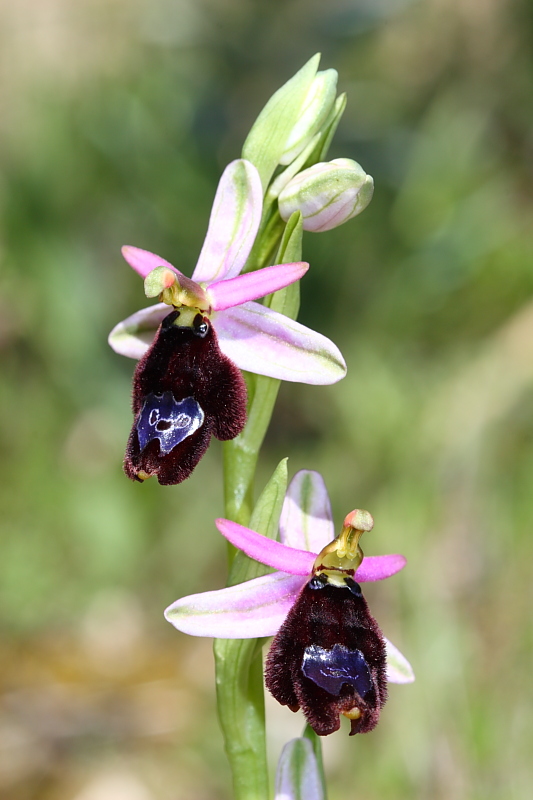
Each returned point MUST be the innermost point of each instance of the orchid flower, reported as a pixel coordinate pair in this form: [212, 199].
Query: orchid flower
[187, 386]
[252, 336]
[305, 554]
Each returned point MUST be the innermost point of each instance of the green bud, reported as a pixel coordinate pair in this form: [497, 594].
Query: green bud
[314, 112]
[327, 194]
[290, 119]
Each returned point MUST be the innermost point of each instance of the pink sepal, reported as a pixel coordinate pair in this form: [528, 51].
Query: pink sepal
[399, 669]
[306, 521]
[233, 223]
[133, 336]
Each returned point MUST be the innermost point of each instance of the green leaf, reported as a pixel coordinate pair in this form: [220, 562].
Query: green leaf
[264, 520]
[287, 301]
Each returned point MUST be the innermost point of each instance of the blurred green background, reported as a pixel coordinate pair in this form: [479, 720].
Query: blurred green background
[117, 118]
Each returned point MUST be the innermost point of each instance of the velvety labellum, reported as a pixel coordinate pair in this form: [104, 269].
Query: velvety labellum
[184, 391]
[328, 658]
[331, 668]
[167, 420]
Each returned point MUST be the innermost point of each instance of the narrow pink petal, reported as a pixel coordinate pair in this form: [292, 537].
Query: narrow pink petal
[260, 340]
[245, 611]
[265, 550]
[233, 292]
[233, 224]
[399, 669]
[377, 568]
[143, 261]
[133, 336]
[306, 521]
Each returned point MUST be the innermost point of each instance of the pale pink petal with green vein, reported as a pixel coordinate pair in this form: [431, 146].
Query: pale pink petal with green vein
[133, 336]
[245, 611]
[306, 520]
[253, 609]
[399, 669]
[260, 340]
[233, 223]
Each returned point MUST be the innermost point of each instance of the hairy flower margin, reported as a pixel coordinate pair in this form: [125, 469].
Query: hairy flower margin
[252, 336]
[259, 607]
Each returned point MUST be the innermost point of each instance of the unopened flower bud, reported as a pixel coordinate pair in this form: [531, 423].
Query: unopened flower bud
[327, 194]
[290, 119]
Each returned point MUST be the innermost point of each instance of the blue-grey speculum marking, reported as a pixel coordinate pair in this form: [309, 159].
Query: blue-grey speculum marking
[168, 420]
[329, 669]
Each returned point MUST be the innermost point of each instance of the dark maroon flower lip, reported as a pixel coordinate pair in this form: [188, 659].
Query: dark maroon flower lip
[184, 391]
[329, 659]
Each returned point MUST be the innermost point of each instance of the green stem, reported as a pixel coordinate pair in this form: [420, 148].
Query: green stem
[241, 705]
[241, 454]
[238, 663]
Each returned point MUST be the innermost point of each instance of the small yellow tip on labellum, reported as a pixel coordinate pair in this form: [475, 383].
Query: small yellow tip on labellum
[353, 713]
[142, 475]
[359, 519]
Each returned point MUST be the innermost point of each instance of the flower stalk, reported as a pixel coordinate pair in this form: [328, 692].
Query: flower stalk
[239, 664]
[241, 454]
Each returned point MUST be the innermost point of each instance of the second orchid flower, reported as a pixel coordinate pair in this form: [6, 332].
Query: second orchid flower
[328, 656]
